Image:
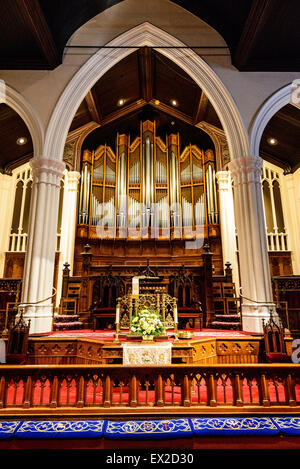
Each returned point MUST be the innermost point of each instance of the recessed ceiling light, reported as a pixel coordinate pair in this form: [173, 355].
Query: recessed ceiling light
[21, 141]
[174, 102]
[272, 141]
[121, 102]
[156, 102]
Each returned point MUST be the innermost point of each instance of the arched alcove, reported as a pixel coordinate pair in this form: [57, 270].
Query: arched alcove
[151, 36]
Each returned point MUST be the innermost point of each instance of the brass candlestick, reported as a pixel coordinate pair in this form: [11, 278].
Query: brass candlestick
[116, 339]
[176, 333]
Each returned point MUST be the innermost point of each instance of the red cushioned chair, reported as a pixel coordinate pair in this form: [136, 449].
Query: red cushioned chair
[275, 348]
[17, 343]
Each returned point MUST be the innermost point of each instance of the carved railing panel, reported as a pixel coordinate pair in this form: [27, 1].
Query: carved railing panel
[115, 388]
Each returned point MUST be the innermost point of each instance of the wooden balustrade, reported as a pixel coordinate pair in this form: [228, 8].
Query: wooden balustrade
[114, 389]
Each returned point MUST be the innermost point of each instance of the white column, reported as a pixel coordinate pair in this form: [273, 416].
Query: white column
[227, 223]
[68, 227]
[290, 195]
[253, 252]
[6, 204]
[40, 256]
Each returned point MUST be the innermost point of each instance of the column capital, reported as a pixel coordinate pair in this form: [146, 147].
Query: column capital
[246, 168]
[224, 179]
[73, 178]
[47, 170]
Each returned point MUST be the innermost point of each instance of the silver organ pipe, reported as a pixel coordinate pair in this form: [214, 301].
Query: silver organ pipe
[216, 215]
[122, 190]
[162, 212]
[110, 175]
[84, 198]
[200, 211]
[212, 211]
[133, 213]
[174, 190]
[109, 212]
[134, 173]
[96, 211]
[148, 181]
[187, 212]
[186, 174]
[98, 172]
[161, 173]
[197, 172]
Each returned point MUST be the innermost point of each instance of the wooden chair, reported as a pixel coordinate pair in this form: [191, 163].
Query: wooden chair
[219, 300]
[232, 301]
[275, 348]
[17, 342]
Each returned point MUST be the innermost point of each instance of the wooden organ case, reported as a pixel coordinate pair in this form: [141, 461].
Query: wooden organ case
[147, 200]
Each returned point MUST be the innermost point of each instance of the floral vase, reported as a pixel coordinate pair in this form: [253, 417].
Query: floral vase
[148, 337]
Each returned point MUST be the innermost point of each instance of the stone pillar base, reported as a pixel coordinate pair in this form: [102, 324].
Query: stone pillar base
[41, 317]
[253, 316]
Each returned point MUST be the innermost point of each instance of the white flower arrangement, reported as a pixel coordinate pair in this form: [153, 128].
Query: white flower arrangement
[147, 323]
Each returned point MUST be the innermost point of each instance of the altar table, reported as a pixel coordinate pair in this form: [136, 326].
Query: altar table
[139, 354]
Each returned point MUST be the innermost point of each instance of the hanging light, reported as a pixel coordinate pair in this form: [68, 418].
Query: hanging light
[272, 141]
[22, 140]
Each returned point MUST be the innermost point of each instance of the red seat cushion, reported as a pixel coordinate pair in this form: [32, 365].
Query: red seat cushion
[276, 357]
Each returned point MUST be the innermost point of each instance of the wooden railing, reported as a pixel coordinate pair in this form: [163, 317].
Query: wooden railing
[175, 389]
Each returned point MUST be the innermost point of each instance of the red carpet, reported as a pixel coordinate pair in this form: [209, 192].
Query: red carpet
[109, 334]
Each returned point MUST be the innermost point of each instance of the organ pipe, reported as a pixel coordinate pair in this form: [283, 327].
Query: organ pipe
[147, 178]
[122, 189]
[84, 196]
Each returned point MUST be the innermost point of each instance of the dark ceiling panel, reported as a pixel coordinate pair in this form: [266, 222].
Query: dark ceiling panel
[285, 128]
[15, 38]
[261, 34]
[172, 83]
[227, 17]
[121, 81]
[12, 127]
[81, 117]
[64, 17]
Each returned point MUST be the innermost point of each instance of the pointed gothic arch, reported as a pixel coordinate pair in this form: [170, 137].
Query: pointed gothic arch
[145, 35]
[18, 103]
[270, 107]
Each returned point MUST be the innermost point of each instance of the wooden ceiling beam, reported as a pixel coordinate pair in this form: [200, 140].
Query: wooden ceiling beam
[92, 107]
[200, 111]
[287, 118]
[172, 111]
[123, 111]
[146, 75]
[35, 21]
[252, 32]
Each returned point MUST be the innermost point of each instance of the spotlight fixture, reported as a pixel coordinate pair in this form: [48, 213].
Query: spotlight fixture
[21, 141]
[174, 102]
[121, 102]
[272, 141]
[157, 102]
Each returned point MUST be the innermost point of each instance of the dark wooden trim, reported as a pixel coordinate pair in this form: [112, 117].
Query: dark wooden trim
[34, 18]
[258, 15]
[145, 69]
